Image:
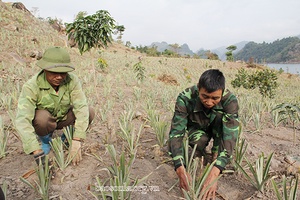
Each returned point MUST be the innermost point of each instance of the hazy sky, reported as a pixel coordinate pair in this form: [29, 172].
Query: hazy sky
[204, 24]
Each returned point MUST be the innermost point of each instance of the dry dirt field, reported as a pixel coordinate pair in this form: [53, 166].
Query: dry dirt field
[76, 181]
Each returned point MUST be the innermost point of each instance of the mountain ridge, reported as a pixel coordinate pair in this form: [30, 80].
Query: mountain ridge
[220, 51]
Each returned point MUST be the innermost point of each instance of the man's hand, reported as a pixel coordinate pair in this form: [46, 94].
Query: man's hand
[184, 178]
[210, 184]
[75, 152]
[214, 156]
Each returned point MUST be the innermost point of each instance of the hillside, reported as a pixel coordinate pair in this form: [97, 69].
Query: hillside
[286, 50]
[120, 99]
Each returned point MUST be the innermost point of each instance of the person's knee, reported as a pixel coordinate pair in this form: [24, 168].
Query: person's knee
[201, 142]
[43, 122]
[41, 117]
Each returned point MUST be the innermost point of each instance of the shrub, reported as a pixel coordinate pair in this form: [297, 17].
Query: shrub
[92, 31]
[265, 81]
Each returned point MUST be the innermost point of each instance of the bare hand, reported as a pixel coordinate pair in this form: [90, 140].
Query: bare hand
[214, 156]
[184, 178]
[75, 152]
[210, 185]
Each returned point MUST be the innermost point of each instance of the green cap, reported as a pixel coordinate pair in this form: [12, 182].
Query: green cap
[56, 59]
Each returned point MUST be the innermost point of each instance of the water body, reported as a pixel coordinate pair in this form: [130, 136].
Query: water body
[289, 68]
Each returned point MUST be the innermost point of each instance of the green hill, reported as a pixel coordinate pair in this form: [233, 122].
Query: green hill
[286, 50]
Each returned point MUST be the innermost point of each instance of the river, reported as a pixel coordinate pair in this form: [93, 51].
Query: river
[290, 68]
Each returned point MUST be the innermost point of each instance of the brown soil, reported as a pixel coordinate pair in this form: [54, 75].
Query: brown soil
[76, 182]
[168, 79]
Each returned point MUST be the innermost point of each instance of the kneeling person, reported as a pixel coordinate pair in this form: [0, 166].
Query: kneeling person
[205, 111]
[50, 100]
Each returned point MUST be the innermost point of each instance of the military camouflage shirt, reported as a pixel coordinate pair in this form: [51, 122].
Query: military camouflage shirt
[221, 121]
[37, 93]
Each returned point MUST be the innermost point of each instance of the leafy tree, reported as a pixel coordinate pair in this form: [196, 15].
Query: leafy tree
[229, 54]
[231, 48]
[169, 53]
[92, 31]
[141, 48]
[119, 30]
[128, 44]
[265, 81]
[81, 14]
[175, 47]
[152, 51]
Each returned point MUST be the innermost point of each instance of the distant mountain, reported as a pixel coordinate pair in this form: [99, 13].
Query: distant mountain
[286, 50]
[185, 50]
[182, 50]
[161, 46]
[222, 50]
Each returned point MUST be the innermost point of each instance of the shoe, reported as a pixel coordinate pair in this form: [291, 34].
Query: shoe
[63, 137]
[64, 140]
[45, 140]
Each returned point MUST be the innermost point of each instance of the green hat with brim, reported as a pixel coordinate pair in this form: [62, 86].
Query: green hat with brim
[56, 59]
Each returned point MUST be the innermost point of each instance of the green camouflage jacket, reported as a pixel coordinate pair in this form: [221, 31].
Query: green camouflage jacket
[37, 93]
[222, 121]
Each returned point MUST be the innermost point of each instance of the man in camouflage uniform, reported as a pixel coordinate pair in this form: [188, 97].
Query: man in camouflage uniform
[50, 100]
[206, 111]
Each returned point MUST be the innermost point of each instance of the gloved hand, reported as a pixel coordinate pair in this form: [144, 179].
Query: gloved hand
[39, 158]
[75, 152]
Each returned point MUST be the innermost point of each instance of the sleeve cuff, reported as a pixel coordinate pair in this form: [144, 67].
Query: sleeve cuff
[178, 165]
[220, 168]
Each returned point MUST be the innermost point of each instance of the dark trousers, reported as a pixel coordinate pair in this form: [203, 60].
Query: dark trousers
[44, 123]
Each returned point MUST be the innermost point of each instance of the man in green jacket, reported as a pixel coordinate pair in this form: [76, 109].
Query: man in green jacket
[50, 100]
[204, 112]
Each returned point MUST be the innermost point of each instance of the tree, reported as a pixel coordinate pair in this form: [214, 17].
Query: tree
[81, 14]
[175, 47]
[231, 48]
[119, 30]
[169, 53]
[229, 54]
[128, 44]
[265, 80]
[92, 31]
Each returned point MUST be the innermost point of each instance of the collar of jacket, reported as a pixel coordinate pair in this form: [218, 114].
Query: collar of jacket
[44, 84]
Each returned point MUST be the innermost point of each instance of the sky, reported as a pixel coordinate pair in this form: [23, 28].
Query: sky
[206, 24]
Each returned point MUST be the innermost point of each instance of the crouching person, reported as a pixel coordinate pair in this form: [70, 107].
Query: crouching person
[51, 100]
[205, 111]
